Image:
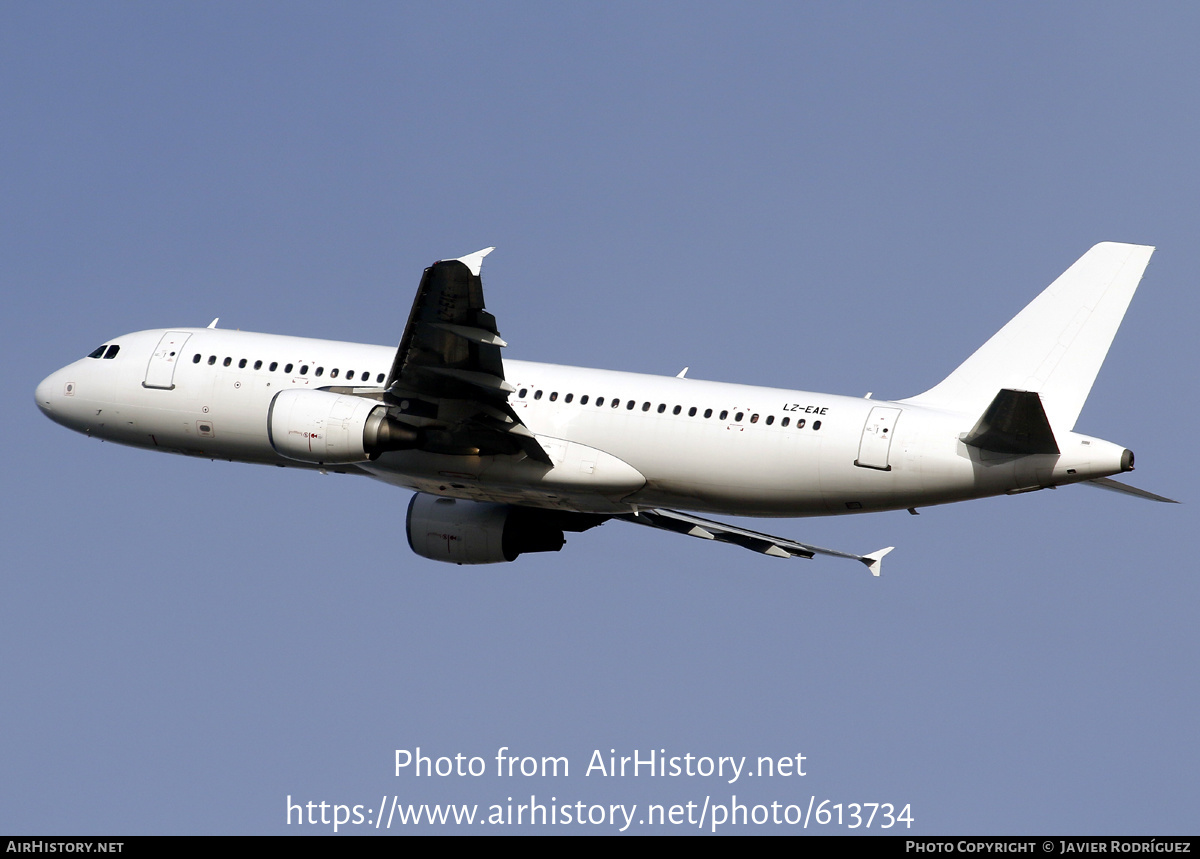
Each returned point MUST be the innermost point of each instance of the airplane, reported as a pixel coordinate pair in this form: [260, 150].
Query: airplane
[506, 457]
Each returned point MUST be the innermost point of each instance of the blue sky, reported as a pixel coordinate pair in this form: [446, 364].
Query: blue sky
[828, 197]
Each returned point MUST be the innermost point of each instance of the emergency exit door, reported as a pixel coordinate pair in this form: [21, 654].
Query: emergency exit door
[160, 372]
[876, 441]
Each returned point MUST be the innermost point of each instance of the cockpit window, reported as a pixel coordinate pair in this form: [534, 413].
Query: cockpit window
[99, 352]
[112, 351]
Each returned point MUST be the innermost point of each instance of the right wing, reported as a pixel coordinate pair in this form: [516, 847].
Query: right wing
[447, 379]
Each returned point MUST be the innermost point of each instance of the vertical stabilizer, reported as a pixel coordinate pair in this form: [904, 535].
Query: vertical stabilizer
[1055, 346]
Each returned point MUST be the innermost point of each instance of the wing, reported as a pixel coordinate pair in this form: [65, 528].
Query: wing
[447, 380]
[1125, 488]
[779, 547]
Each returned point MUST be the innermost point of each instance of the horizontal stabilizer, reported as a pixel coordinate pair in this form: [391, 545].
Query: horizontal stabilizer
[1126, 489]
[1015, 422]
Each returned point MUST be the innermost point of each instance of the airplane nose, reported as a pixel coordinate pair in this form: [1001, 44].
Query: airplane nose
[45, 394]
[55, 397]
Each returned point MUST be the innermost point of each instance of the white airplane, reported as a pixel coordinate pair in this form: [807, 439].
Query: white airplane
[506, 456]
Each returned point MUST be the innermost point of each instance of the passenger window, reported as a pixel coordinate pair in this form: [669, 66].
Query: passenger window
[304, 370]
[287, 368]
[333, 374]
[98, 352]
[616, 402]
[227, 362]
[785, 422]
[692, 412]
[770, 419]
[380, 379]
[708, 413]
[242, 364]
[629, 405]
[799, 423]
[258, 365]
[817, 426]
[738, 417]
[676, 410]
[599, 402]
[724, 414]
[553, 396]
[320, 370]
[349, 375]
[196, 359]
[568, 398]
[522, 393]
[212, 359]
[537, 395]
[754, 419]
[583, 400]
[645, 407]
[274, 364]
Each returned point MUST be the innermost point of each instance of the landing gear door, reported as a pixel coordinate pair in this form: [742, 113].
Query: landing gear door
[160, 372]
[877, 438]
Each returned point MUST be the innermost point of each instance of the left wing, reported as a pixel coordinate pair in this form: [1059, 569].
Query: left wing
[447, 379]
[1125, 488]
[779, 547]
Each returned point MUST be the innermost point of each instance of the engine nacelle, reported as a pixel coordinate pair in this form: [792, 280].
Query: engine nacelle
[474, 532]
[324, 427]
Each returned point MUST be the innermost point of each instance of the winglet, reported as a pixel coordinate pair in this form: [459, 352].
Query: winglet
[874, 561]
[213, 324]
[475, 261]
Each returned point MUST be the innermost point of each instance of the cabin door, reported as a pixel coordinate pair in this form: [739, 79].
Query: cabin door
[876, 440]
[160, 372]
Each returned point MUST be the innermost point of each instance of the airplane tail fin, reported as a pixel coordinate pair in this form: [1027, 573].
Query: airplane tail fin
[1055, 346]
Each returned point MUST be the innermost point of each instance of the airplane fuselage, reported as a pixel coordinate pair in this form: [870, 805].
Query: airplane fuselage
[618, 441]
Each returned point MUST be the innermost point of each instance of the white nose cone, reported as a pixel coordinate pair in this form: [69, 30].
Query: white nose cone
[45, 395]
[55, 396]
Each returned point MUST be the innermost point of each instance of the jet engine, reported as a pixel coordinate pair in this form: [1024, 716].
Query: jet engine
[474, 532]
[324, 427]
